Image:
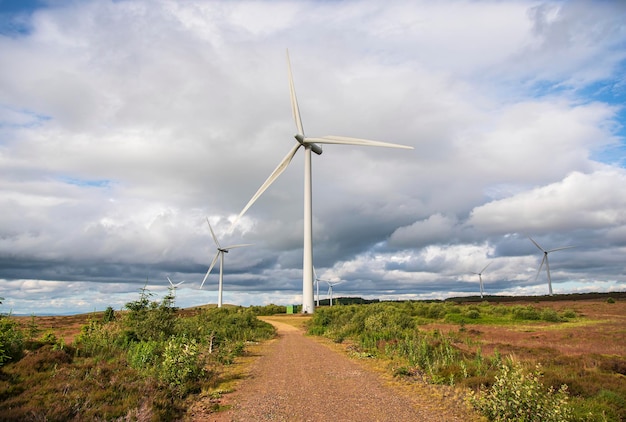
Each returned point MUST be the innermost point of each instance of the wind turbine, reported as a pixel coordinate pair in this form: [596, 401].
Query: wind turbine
[309, 144]
[317, 284]
[480, 278]
[545, 259]
[219, 254]
[174, 286]
[332, 284]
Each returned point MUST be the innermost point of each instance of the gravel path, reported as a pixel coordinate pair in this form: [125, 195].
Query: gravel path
[299, 379]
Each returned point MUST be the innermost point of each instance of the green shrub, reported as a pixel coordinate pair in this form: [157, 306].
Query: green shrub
[569, 313]
[32, 328]
[49, 337]
[150, 320]
[182, 364]
[520, 396]
[109, 315]
[525, 313]
[97, 340]
[11, 340]
[549, 315]
[473, 314]
[144, 355]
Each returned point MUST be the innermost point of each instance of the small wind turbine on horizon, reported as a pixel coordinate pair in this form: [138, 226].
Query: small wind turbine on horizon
[309, 144]
[480, 278]
[219, 254]
[545, 260]
[317, 284]
[173, 286]
[332, 284]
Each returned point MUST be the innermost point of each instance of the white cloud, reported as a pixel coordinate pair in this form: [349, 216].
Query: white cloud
[124, 124]
[578, 202]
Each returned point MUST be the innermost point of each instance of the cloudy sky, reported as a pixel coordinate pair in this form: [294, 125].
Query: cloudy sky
[125, 124]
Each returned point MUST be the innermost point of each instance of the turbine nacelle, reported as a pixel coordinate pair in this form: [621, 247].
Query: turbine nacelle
[302, 140]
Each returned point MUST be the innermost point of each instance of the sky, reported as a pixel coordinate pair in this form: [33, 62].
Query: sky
[124, 125]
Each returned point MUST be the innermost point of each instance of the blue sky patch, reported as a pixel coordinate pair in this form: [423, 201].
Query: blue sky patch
[95, 183]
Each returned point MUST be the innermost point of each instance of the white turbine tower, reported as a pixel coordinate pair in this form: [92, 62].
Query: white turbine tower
[545, 260]
[219, 254]
[309, 144]
[173, 286]
[480, 279]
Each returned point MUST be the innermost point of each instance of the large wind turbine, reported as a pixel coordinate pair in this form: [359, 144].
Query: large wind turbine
[480, 278]
[545, 260]
[309, 144]
[219, 254]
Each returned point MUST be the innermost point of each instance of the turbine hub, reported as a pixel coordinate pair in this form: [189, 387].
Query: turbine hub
[314, 147]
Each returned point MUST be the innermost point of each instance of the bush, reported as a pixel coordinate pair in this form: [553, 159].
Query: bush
[11, 340]
[109, 315]
[520, 396]
[569, 313]
[143, 355]
[181, 364]
[525, 313]
[549, 315]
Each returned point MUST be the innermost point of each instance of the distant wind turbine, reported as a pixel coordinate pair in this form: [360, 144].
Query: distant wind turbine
[317, 284]
[332, 284]
[480, 278]
[545, 260]
[309, 144]
[219, 254]
[173, 286]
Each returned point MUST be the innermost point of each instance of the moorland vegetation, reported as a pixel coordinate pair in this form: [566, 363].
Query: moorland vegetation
[147, 362]
[152, 361]
[419, 342]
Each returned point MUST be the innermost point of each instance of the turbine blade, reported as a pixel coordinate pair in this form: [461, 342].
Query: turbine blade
[536, 244]
[295, 110]
[560, 249]
[540, 267]
[179, 283]
[236, 246]
[277, 172]
[481, 271]
[344, 140]
[210, 268]
[213, 234]
[172, 284]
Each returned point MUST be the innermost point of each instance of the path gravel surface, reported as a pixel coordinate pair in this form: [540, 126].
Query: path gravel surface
[298, 379]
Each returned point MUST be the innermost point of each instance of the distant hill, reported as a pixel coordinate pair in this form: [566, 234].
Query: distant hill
[546, 298]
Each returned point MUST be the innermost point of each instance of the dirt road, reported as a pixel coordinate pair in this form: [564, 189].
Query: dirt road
[298, 379]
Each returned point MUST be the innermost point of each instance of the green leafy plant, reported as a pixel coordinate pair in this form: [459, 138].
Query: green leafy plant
[519, 395]
[11, 340]
[182, 364]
